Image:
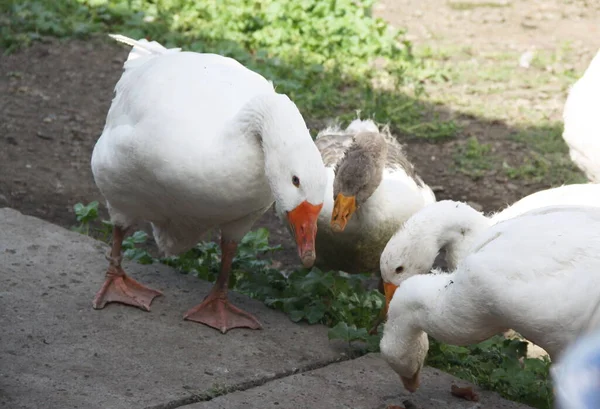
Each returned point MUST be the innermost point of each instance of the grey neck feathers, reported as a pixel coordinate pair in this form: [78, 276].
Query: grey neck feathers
[360, 171]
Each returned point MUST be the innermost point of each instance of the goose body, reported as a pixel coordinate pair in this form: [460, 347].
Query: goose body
[581, 117]
[397, 193]
[180, 187]
[198, 141]
[453, 227]
[537, 273]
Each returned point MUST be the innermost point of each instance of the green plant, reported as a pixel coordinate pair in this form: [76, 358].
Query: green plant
[350, 334]
[463, 5]
[546, 157]
[344, 303]
[132, 252]
[358, 62]
[473, 158]
[498, 364]
[86, 215]
[306, 294]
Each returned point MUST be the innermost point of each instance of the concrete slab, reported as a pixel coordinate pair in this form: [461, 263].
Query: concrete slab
[363, 383]
[57, 352]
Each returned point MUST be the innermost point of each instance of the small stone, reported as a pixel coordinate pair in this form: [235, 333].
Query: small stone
[43, 136]
[526, 58]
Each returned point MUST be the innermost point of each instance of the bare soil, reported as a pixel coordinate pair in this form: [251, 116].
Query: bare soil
[54, 97]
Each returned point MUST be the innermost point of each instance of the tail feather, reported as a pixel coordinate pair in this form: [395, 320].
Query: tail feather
[362, 125]
[359, 125]
[142, 47]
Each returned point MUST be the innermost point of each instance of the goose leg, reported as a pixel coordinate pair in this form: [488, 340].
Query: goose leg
[118, 287]
[216, 311]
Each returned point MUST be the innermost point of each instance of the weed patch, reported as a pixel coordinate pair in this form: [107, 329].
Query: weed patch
[358, 62]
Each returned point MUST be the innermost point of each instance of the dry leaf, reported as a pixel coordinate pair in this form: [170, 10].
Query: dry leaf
[465, 393]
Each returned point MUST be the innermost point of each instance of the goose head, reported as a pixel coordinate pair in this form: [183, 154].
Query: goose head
[405, 358]
[295, 172]
[404, 344]
[357, 176]
[299, 199]
[449, 225]
[404, 256]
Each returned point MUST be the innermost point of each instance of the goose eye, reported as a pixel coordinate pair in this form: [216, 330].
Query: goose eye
[295, 181]
[399, 269]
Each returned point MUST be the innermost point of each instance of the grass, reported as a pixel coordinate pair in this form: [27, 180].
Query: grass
[343, 303]
[547, 157]
[464, 5]
[473, 158]
[520, 108]
[359, 62]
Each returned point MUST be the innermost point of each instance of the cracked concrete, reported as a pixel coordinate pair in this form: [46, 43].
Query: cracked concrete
[56, 352]
[363, 383]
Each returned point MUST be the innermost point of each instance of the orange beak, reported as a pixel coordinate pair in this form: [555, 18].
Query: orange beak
[389, 289]
[411, 384]
[303, 222]
[343, 208]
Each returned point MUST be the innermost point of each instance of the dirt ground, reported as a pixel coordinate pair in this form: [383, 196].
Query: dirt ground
[54, 97]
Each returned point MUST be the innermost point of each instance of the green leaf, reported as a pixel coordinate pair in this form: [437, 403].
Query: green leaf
[296, 315]
[348, 333]
[86, 213]
[139, 255]
[340, 331]
[139, 237]
[315, 313]
[316, 280]
[373, 342]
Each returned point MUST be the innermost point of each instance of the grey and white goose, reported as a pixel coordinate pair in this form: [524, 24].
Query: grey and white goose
[372, 189]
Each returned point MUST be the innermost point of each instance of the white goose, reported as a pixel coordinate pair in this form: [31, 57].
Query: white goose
[372, 189]
[537, 273]
[197, 141]
[453, 227]
[581, 117]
